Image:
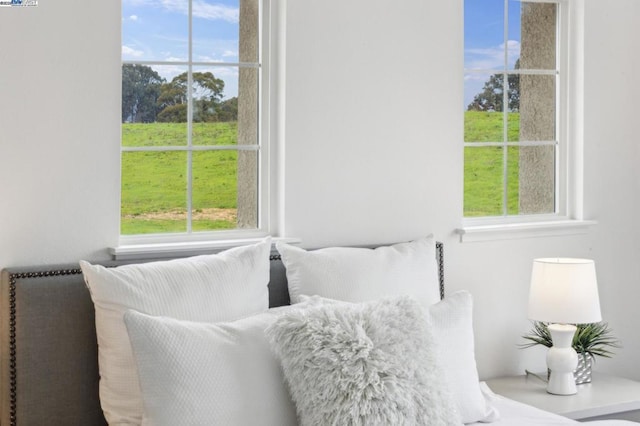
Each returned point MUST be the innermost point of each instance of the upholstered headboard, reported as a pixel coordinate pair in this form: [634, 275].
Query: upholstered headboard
[49, 355]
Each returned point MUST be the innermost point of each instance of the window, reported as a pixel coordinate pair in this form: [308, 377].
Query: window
[515, 109]
[193, 151]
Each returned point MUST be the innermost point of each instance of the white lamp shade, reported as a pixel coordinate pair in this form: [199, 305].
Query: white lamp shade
[564, 291]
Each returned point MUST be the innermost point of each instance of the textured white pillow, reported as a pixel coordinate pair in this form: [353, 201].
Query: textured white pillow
[363, 364]
[220, 287]
[452, 325]
[360, 274]
[209, 374]
[451, 322]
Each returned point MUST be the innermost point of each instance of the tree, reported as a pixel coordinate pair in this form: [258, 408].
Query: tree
[491, 98]
[206, 91]
[228, 110]
[140, 91]
[173, 114]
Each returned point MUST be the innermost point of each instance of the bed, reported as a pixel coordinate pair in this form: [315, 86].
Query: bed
[49, 351]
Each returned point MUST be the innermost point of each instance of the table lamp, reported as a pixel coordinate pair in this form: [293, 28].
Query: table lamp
[563, 292]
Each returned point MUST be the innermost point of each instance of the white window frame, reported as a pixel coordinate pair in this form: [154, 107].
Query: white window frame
[568, 217]
[190, 242]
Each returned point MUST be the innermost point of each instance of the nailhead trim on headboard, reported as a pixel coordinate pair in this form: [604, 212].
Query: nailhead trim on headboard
[13, 371]
[440, 260]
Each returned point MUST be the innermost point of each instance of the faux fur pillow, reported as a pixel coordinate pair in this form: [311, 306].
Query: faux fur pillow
[372, 363]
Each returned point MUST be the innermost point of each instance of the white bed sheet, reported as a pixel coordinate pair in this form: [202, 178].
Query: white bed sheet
[513, 413]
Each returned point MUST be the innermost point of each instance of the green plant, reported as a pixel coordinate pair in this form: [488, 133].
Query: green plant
[594, 338]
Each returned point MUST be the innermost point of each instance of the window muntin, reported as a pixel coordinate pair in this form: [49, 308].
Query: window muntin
[191, 145]
[512, 136]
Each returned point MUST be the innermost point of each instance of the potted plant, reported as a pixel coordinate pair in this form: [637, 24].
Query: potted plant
[590, 340]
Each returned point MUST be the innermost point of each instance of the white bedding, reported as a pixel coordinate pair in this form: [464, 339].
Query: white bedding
[513, 413]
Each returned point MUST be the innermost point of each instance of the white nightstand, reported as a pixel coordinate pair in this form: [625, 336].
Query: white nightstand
[605, 397]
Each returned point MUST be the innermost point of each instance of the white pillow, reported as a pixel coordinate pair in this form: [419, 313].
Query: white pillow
[360, 274]
[209, 374]
[372, 363]
[220, 287]
[452, 323]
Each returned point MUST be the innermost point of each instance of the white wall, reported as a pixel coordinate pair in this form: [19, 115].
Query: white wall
[373, 153]
[612, 155]
[59, 131]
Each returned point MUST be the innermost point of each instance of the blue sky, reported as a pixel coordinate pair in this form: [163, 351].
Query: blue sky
[484, 40]
[157, 30]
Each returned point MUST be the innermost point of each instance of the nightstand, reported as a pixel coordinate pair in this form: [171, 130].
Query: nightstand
[606, 397]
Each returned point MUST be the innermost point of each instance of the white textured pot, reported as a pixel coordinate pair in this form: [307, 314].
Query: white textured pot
[582, 373]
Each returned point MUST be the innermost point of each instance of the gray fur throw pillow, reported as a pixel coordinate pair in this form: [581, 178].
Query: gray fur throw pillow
[371, 363]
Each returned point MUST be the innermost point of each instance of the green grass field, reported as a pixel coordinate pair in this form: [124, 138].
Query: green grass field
[483, 166]
[154, 183]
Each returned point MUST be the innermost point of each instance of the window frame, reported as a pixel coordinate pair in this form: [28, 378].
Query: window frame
[190, 240]
[568, 216]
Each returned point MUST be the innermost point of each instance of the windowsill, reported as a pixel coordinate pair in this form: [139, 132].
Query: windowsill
[183, 249]
[508, 231]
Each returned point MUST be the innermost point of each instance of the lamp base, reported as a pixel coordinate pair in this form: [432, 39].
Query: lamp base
[562, 360]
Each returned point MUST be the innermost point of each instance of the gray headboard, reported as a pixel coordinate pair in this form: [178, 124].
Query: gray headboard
[49, 354]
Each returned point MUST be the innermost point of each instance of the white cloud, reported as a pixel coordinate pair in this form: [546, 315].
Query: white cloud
[168, 71]
[129, 51]
[202, 9]
[225, 73]
[215, 12]
[215, 58]
[133, 17]
[475, 77]
[492, 57]
[513, 44]
[215, 50]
